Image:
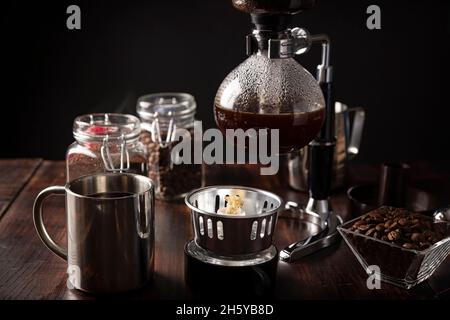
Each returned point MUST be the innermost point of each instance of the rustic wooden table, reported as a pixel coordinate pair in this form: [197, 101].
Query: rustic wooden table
[29, 271]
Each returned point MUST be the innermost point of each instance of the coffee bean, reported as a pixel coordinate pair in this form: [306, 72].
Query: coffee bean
[364, 227]
[424, 245]
[416, 237]
[370, 232]
[375, 217]
[380, 227]
[387, 224]
[393, 226]
[359, 223]
[408, 245]
[393, 235]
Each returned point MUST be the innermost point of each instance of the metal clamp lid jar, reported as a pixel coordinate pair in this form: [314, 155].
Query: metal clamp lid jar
[106, 142]
[163, 115]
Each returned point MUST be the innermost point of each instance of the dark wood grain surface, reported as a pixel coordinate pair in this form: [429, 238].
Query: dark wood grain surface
[28, 270]
[14, 174]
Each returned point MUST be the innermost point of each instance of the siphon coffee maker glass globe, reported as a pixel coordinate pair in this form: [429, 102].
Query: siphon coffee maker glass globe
[271, 90]
[273, 94]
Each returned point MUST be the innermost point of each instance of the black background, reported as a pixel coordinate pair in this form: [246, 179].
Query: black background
[399, 74]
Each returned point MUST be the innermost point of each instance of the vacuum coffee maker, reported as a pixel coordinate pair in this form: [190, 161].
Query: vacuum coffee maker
[270, 89]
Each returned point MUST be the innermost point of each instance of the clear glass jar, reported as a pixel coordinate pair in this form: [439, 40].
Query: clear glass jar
[106, 142]
[162, 116]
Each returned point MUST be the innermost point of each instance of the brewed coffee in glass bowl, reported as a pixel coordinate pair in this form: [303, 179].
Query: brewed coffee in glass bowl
[263, 93]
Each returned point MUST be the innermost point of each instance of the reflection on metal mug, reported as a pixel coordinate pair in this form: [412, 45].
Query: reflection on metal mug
[110, 231]
[73, 277]
[347, 147]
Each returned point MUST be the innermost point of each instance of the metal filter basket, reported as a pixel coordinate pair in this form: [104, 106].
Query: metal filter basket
[233, 235]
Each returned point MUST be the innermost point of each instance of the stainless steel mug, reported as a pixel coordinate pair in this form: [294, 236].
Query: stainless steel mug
[110, 231]
[347, 147]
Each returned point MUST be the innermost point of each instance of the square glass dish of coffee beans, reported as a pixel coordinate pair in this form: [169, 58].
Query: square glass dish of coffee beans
[405, 247]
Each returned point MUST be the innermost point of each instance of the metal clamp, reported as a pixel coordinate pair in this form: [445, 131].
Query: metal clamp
[156, 131]
[286, 44]
[298, 42]
[324, 70]
[107, 159]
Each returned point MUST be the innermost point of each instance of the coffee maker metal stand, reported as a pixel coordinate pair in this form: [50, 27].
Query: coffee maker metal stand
[283, 42]
[251, 276]
[232, 255]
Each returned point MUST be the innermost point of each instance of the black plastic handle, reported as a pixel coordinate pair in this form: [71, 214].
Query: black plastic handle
[320, 172]
[321, 151]
[327, 133]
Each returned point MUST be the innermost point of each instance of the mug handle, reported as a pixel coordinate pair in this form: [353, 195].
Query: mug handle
[39, 222]
[356, 133]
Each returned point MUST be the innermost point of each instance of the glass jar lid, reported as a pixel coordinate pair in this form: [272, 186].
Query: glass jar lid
[166, 106]
[113, 126]
[111, 132]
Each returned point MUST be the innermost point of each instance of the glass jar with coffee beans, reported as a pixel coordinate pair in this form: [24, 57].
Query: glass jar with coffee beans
[166, 119]
[106, 142]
